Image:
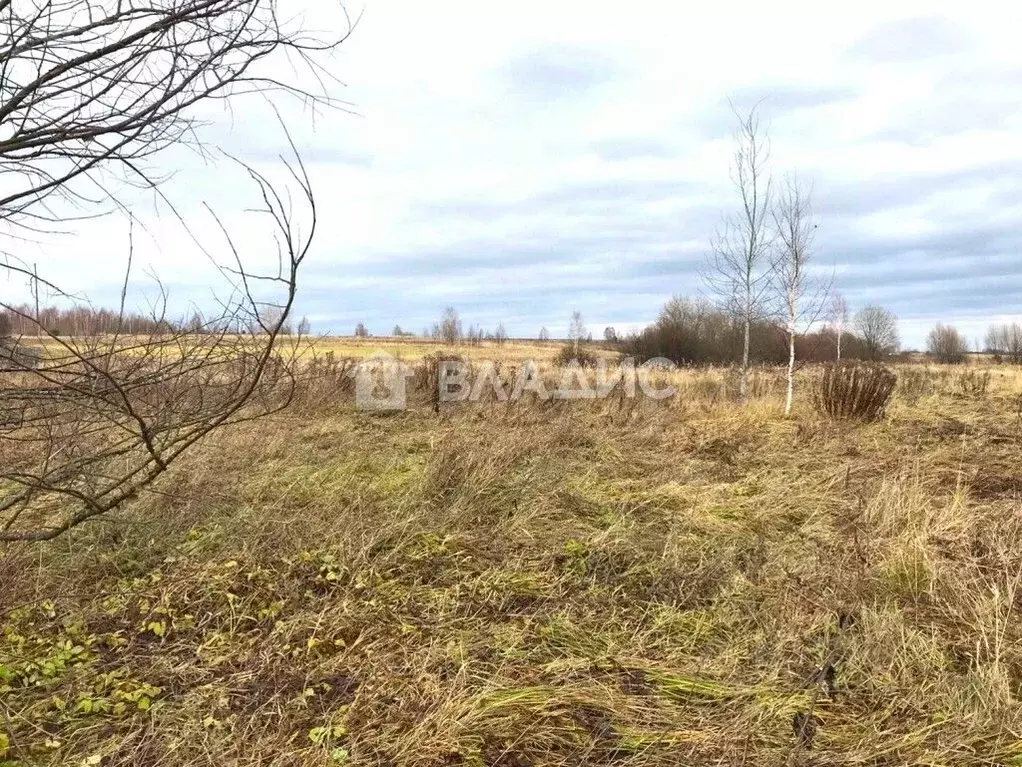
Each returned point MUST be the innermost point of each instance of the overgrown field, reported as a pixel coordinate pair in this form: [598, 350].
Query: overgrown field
[689, 582]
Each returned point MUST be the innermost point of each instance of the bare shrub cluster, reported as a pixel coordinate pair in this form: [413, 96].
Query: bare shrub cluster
[946, 345]
[851, 391]
[974, 383]
[1005, 341]
[578, 354]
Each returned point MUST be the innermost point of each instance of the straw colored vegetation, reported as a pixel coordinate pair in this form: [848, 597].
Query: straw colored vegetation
[688, 582]
[415, 349]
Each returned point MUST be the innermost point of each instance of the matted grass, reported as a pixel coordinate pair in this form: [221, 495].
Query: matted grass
[683, 583]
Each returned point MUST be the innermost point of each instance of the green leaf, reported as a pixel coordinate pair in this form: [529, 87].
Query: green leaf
[85, 706]
[318, 734]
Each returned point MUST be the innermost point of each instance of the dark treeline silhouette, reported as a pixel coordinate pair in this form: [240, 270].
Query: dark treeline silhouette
[83, 321]
[695, 331]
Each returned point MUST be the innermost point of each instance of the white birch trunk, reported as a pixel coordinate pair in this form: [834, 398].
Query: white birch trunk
[791, 369]
[743, 385]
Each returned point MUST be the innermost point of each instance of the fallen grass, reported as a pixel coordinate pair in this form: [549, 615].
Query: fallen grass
[693, 583]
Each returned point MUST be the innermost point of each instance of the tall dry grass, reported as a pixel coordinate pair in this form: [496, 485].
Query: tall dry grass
[544, 583]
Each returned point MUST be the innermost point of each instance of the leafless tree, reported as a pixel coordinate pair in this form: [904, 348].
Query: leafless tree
[91, 87]
[839, 317]
[361, 331]
[946, 345]
[1006, 340]
[801, 297]
[737, 270]
[500, 334]
[544, 334]
[92, 91]
[577, 329]
[878, 329]
[99, 418]
[449, 329]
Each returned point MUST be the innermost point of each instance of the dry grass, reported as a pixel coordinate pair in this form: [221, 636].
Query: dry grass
[609, 582]
[415, 349]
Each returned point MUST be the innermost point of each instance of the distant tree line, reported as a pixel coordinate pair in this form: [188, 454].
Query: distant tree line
[79, 321]
[22, 320]
[698, 331]
[450, 330]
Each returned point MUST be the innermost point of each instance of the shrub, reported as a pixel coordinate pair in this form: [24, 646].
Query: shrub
[427, 375]
[855, 391]
[580, 355]
[915, 383]
[946, 345]
[973, 383]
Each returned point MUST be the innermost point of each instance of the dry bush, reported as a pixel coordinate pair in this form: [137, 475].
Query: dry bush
[915, 383]
[428, 371]
[323, 382]
[973, 383]
[580, 355]
[855, 391]
[427, 376]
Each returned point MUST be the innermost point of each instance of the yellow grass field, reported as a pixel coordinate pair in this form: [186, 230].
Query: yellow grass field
[414, 349]
[604, 582]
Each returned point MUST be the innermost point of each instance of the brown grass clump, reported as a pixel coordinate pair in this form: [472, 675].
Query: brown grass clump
[578, 354]
[543, 584]
[855, 391]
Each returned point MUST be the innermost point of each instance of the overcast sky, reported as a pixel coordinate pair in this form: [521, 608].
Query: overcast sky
[519, 161]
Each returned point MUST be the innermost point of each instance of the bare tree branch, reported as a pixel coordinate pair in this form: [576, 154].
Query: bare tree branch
[93, 88]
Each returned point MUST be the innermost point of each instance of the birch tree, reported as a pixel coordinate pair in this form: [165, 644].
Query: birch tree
[800, 296]
[839, 317]
[577, 329]
[737, 270]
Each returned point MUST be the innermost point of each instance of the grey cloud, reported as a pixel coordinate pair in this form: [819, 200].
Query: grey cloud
[310, 155]
[912, 39]
[886, 192]
[786, 98]
[613, 197]
[774, 102]
[957, 114]
[557, 72]
[626, 148]
[857, 248]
